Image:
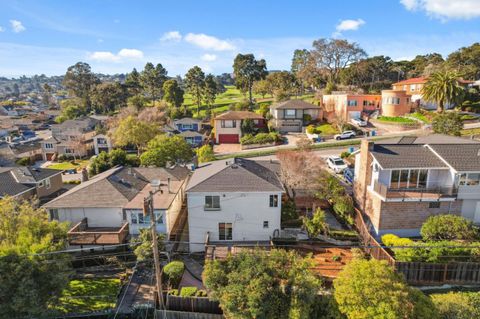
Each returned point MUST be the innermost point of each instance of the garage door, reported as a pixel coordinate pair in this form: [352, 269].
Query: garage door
[227, 138]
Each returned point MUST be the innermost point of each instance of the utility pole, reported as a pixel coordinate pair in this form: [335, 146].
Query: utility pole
[149, 211]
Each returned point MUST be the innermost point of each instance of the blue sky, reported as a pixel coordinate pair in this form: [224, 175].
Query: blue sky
[114, 36]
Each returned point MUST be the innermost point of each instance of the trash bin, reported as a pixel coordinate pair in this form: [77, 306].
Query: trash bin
[351, 149]
[374, 133]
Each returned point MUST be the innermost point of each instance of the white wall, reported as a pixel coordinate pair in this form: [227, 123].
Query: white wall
[97, 217]
[175, 208]
[246, 211]
[134, 229]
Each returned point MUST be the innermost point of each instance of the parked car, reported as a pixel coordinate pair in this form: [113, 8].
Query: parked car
[348, 175]
[336, 164]
[359, 122]
[345, 135]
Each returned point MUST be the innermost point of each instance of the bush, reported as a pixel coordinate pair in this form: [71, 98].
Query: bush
[448, 123]
[173, 292]
[205, 154]
[457, 305]
[345, 154]
[201, 293]
[261, 138]
[24, 161]
[307, 118]
[317, 224]
[188, 291]
[289, 211]
[448, 227]
[343, 207]
[174, 272]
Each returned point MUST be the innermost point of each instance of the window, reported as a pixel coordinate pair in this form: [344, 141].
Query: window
[422, 178]
[101, 140]
[413, 178]
[412, 87]
[225, 231]
[352, 102]
[53, 214]
[394, 178]
[47, 183]
[403, 178]
[434, 205]
[265, 224]
[273, 200]
[212, 202]
[409, 178]
[187, 126]
[470, 179]
[290, 113]
[463, 179]
[49, 145]
[228, 124]
[139, 219]
[68, 151]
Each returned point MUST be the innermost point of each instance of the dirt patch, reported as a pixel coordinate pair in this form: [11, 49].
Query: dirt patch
[330, 262]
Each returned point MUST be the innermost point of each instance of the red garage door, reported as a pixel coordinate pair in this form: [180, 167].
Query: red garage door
[227, 138]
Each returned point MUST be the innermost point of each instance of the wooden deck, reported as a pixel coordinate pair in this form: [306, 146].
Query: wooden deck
[82, 234]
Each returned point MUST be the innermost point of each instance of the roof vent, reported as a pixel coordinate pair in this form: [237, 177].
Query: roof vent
[234, 166]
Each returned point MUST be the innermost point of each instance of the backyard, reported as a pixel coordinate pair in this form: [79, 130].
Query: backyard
[78, 165]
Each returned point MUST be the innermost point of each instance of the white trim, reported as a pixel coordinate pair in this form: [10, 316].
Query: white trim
[441, 158]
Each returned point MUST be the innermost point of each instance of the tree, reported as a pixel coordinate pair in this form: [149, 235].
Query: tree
[300, 67]
[164, 149]
[173, 93]
[210, 91]
[133, 83]
[283, 84]
[466, 61]
[449, 123]
[195, 83]
[248, 126]
[205, 154]
[372, 289]
[152, 79]
[108, 97]
[422, 65]
[133, 131]
[262, 87]
[448, 227]
[258, 284]
[47, 97]
[334, 55]
[79, 81]
[457, 305]
[32, 279]
[442, 88]
[104, 161]
[142, 244]
[317, 224]
[246, 71]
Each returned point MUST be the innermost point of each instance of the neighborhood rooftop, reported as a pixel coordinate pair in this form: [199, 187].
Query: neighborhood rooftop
[295, 104]
[239, 115]
[15, 180]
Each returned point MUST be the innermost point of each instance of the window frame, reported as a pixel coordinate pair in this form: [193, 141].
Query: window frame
[53, 213]
[211, 206]
[265, 224]
[225, 230]
[223, 123]
[273, 200]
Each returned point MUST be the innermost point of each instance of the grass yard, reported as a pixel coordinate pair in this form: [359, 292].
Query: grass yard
[79, 164]
[395, 119]
[230, 96]
[421, 117]
[325, 129]
[89, 295]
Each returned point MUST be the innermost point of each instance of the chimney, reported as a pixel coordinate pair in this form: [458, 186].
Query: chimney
[168, 185]
[84, 177]
[364, 173]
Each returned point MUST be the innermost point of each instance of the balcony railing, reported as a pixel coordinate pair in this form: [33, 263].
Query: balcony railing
[81, 234]
[427, 193]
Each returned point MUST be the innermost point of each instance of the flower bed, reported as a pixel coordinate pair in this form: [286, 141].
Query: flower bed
[260, 140]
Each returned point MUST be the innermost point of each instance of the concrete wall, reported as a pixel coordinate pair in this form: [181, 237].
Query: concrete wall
[246, 211]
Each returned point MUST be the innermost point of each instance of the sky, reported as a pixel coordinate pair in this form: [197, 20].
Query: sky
[114, 36]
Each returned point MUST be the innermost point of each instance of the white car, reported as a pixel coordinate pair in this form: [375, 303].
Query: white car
[336, 164]
[345, 135]
[359, 122]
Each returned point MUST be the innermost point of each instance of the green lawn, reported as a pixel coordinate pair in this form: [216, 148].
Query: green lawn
[231, 96]
[79, 164]
[395, 119]
[89, 295]
[421, 117]
[467, 117]
[326, 129]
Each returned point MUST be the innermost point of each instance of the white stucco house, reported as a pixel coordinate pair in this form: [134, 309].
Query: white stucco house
[233, 201]
[108, 208]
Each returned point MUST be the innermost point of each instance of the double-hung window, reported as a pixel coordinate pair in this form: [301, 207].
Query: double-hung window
[225, 231]
[228, 123]
[53, 214]
[352, 103]
[290, 113]
[212, 202]
[273, 200]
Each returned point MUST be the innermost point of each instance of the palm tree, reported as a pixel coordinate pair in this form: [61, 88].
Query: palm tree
[442, 88]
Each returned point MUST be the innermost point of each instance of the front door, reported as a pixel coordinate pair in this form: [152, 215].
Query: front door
[476, 217]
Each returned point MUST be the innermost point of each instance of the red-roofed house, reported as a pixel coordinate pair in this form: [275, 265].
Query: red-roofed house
[228, 125]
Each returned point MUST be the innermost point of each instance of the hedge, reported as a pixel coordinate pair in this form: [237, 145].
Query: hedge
[188, 291]
[174, 272]
[260, 138]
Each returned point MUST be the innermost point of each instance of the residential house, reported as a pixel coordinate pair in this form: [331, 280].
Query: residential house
[101, 143]
[396, 103]
[187, 124]
[30, 149]
[228, 125]
[109, 207]
[347, 106]
[400, 183]
[27, 182]
[233, 201]
[289, 116]
[194, 139]
[70, 138]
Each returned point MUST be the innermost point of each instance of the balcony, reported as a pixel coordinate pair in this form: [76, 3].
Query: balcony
[82, 234]
[414, 194]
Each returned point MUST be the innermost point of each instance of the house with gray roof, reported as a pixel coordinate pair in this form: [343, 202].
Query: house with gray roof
[108, 208]
[289, 116]
[234, 201]
[401, 182]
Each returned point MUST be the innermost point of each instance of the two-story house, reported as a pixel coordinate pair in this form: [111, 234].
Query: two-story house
[289, 116]
[189, 128]
[108, 208]
[228, 125]
[27, 182]
[70, 138]
[398, 184]
[102, 143]
[347, 106]
[233, 201]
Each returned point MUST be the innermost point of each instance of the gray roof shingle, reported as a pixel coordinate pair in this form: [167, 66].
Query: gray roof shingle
[462, 157]
[10, 187]
[391, 156]
[295, 104]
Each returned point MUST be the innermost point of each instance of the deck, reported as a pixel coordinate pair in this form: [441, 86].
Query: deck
[82, 234]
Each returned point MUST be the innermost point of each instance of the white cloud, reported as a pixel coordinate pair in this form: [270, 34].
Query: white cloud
[209, 57]
[209, 42]
[17, 26]
[349, 25]
[2, 29]
[174, 36]
[123, 54]
[445, 9]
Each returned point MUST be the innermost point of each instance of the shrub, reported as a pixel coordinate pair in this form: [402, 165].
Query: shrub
[260, 138]
[345, 154]
[201, 293]
[343, 207]
[132, 160]
[188, 291]
[447, 123]
[289, 211]
[457, 305]
[205, 154]
[336, 258]
[173, 292]
[317, 224]
[448, 227]
[311, 129]
[24, 161]
[174, 271]
[307, 118]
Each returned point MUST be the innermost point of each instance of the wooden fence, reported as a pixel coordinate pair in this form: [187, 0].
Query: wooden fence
[169, 314]
[419, 273]
[192, 304]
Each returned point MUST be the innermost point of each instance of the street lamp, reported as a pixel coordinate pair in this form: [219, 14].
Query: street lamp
[148, 210]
